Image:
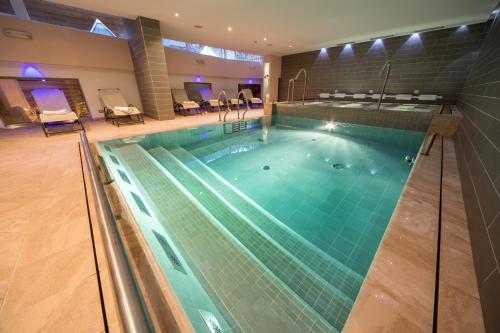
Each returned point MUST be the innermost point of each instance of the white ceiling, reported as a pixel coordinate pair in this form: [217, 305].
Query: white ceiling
[307, 24]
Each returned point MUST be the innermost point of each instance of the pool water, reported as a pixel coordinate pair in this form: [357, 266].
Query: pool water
[265, 225]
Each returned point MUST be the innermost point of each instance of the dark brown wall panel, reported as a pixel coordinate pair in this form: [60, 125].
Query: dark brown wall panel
[478, 153]
[435, 62]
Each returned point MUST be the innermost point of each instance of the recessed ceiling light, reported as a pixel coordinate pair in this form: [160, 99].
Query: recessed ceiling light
[290, 45]
[176, 14]
[198, 26]
[229, 29]
[265, 38]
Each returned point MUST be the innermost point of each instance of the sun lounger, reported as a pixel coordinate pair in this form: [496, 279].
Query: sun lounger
[208, 100]
[253, 100]
[117, 109]
[182, 103]
[53, 110]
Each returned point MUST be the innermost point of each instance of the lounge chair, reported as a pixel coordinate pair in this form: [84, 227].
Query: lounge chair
[118, 110]
[208, 100]
[53, 110]
[359, 96]
[251, 99]
[233, 101]
[403, 97]
[182, 103]
[324, 95]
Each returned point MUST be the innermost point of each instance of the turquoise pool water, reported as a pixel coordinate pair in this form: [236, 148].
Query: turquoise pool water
[267, 225]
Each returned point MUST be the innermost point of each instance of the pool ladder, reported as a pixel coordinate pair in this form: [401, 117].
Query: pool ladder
[236, 126]
[291, 84]
[226, 103]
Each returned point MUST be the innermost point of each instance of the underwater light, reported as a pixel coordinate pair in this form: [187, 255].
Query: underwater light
[330, 125]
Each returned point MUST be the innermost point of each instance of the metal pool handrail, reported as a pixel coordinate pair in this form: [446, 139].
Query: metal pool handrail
[242, 92]
[222, 92]
[292, 83]
[131, 311]
[387, 65]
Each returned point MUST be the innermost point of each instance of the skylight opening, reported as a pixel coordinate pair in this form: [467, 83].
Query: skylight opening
[101, 28]
[211, 51]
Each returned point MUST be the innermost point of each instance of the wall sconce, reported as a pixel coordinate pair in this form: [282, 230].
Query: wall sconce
[266, 76]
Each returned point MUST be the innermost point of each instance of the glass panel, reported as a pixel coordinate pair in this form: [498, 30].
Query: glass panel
[211, 51]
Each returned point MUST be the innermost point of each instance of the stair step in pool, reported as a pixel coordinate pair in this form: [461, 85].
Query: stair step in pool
[328, 301]
[252, 296]
[331, 270]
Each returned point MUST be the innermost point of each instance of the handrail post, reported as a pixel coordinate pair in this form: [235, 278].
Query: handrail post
[222, 92]
[131, 311]
[242, 92]
[387, 65]
[292, 83]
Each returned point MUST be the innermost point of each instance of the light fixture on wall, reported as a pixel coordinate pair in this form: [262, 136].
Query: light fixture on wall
[32, 71]
[17, 34]
[250, 81]
[197, 79]
[200, 61]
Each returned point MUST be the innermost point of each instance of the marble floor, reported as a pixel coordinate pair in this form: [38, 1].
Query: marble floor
[48, 277]
[48, 280]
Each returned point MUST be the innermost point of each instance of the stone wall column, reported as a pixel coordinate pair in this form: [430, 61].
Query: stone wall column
[148, 56]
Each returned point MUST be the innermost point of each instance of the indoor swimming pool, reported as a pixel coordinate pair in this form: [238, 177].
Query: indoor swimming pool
[265, 225]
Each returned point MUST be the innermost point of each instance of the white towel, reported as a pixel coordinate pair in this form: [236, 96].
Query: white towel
[54, 112]
[403, 97]
[427, 97]
[126, 109]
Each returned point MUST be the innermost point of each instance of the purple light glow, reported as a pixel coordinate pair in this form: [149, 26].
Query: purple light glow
[32, 71]
[250, 81]
[198, 78]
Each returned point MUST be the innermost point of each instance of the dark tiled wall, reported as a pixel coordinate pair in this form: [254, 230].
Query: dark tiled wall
[5, 7]
[146, 46]
[478, 153]
[435, 62]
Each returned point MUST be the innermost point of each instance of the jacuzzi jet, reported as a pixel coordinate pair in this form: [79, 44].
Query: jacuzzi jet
[313, 139]
[338, 166]
[266, 167]
[261, 140]
[410, 160]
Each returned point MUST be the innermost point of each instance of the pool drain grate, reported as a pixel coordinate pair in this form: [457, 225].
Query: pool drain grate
[266, 167]
[338, 166]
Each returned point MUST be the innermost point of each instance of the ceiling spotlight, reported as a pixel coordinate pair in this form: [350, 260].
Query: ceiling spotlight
[265, 38]
[176, 14]
[290, 45]
[229, 29]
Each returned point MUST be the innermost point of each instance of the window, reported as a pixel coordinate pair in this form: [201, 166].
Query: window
[211, 51]
[100, 28]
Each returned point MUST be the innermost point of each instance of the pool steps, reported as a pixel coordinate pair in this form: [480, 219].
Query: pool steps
[331, 270]
[230, 271]
[325, 298]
